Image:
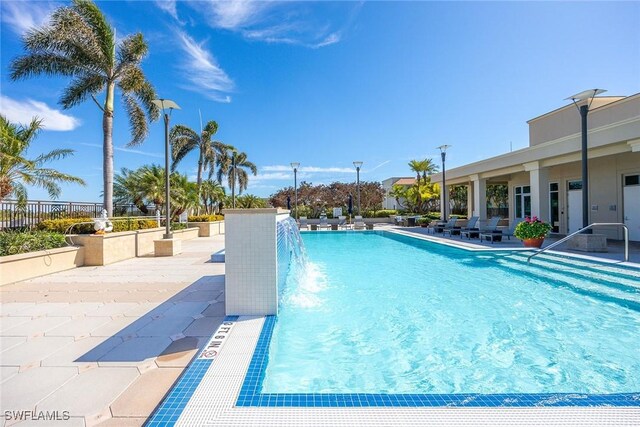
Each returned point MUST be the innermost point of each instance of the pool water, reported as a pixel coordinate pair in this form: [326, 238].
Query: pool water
[382, 313]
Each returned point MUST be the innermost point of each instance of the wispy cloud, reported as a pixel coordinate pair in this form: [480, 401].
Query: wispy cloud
[203, 71]
[295, 23]
[378, 166]
[126, 150]
[22, 15]
[168, 6]
[24, 111]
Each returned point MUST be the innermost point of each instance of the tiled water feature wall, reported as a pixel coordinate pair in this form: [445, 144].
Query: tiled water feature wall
[260, 244]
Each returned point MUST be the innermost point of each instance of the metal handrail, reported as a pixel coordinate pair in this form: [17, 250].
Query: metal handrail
[595, 224]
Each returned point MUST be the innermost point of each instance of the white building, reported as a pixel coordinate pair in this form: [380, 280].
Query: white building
[390, 202]
[544, 179]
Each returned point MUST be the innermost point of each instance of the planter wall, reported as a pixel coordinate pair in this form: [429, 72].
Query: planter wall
[145, 238]
[14, 268]
[187, 234]
[103, 249]
[207, 229]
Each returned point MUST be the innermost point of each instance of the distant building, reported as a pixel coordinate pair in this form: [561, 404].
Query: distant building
[390, 202]
[544, 179]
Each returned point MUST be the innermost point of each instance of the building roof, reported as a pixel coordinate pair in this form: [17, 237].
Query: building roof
[405, 181]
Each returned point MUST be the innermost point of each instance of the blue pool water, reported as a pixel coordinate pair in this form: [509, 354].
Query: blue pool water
[378, 313]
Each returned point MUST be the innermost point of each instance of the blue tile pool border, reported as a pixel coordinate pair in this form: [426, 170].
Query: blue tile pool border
[171, 407]
[251, 395]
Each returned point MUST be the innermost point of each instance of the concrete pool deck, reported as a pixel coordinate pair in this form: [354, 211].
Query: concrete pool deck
[107, 343]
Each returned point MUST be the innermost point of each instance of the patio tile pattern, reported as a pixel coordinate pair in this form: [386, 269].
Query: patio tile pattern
[106, 343]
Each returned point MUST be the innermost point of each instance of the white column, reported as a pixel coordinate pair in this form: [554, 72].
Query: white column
[479, 197]
[539, 182]
[469, 200]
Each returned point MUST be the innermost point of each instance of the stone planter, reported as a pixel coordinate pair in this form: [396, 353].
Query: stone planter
[207, 229]
[103, 249]
[145, 239]
[187, 234]
[15, 268]
[533, 243]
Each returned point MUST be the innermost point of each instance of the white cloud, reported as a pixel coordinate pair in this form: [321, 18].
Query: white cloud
[127, 150]
[280, 21]
[203, 71]
[24, 15]
[24, 111]
[168, 6]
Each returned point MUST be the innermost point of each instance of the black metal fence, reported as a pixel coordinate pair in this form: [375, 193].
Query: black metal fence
[14, 215]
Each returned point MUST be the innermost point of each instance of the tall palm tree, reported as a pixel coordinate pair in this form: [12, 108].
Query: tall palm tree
[211, 194]
[79, 43]
[232, 165]
[17, 171]
[185, 139]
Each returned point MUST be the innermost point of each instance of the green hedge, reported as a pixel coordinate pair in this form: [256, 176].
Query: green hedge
[12, 243]
[62, 225]
[205, 218]
[383, 213]
[178, 226]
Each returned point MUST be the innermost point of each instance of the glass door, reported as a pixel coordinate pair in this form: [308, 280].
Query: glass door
[522, 201]
[554, 207]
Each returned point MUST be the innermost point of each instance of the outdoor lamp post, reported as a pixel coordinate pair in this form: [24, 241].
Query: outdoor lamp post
[358, 165]
[586, 97]
[295, 166]
[163, 105]
[443, 153]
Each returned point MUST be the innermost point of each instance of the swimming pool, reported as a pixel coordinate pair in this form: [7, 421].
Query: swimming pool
[401, 319]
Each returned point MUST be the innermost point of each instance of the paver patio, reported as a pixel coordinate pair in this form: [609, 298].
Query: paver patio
[107, 343]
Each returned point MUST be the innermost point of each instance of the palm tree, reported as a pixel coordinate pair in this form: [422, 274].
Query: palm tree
[79, 43]
[126, 189]
[232, 165]
[211, 194]
[250, 201]
[185, 139]
[16, 171]
[425, 167]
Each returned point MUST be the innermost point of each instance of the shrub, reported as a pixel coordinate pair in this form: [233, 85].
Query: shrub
[62, 225]
[383, 213]
[423, 220]
[531, 228]
[178, 226]
[132, 224]
[205, 218]
[12, 243]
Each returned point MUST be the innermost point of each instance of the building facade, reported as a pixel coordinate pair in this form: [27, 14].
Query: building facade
[544, 179]
[390, 202]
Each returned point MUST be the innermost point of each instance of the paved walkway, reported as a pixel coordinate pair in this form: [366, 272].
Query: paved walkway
[106, 343]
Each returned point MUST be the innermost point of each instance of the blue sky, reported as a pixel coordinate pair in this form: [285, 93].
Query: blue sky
[328, 83]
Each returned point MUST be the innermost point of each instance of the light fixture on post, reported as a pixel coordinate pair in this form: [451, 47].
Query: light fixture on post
[164, 105]
[358, 165]
[443, 153]
[295, 166]
[586, 98]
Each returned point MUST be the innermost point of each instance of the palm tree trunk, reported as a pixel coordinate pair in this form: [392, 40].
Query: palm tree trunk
[199, 177]
[107, 150]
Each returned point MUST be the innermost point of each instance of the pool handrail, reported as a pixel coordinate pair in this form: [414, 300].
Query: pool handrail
[595, 224]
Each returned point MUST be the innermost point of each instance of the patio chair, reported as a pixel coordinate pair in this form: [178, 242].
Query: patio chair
[497, 235]
[323, 223]
[303, 223]
[358, 223]
[450, 227]
[470, 230]
[491, 232]
[400, 221]
[342, 223]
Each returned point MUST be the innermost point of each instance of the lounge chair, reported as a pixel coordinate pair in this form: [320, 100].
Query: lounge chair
[470, 229]
[497, 235]
[400, 221]
[450, 227]
[323, 223]
[358, 223]
[303, 223]
[342, 223]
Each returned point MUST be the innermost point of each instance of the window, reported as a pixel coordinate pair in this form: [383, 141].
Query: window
[522, 201]
[631, 180]
[554, 206]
